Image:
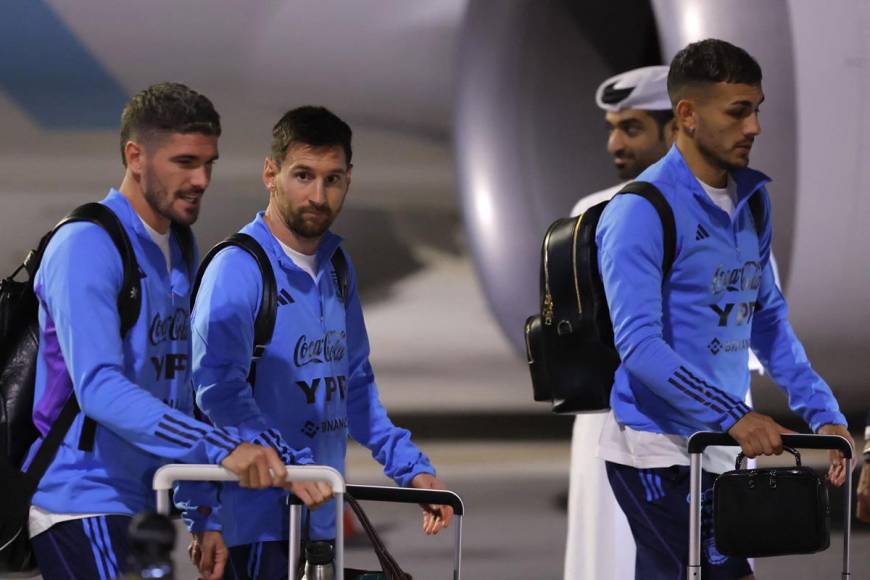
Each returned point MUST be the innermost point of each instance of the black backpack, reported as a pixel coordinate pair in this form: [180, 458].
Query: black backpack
[19, 333]
[264, 323]
[569, 345]
[19, 345]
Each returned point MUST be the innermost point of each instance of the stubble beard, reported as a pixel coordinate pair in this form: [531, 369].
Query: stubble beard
[717, 159]
[296, 223]
[160, 200]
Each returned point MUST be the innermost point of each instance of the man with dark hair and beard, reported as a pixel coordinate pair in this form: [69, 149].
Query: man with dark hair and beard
[313, 382]
[133, 389]
[640, 130]
[684, 338]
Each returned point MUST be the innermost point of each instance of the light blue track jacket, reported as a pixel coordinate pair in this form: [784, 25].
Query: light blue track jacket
[684, 344]
[314, 383]
[137, 387]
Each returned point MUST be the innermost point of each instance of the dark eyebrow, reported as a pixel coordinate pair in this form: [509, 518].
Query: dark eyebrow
[630, 123]
[187, 157]
[746, 103]
[304, 167]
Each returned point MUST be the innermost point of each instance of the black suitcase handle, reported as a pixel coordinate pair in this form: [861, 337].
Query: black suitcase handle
[703, 439]
[399, 495]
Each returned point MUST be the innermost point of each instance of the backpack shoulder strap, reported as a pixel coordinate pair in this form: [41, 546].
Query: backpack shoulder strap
[264, 324]
[130, 296]
[342, 273]
[129, 305]
[651, 193]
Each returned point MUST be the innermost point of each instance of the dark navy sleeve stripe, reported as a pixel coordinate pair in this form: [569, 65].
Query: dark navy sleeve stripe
[265, 439]
[173, 440]
[735, 402]
[710, 394]
[178, 432]
[285, 449]
[732, 410]
[718, 395]
[696, 397]
[226, 436]
[185, 425]
[218, 443]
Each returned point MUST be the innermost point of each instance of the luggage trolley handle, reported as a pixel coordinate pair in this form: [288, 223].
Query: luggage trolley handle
[166, 476]
[401, 495]
[703, 439]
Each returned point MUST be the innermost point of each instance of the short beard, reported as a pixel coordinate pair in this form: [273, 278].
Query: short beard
[295, 222]
[629, 171]
[161, 200]
[714, 158]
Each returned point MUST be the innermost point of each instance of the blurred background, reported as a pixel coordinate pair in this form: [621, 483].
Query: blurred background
[474, 127]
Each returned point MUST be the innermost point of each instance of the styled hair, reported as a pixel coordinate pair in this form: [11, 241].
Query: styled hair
[167, 108]
[314, 126]
[710, 61]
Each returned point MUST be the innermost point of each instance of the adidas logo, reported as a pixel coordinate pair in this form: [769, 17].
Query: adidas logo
[701, 233]
[284, 298]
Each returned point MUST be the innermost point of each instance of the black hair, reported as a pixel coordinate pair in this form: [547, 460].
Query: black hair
[167, 108]
[661, 118]
[710, 61]
[314, 126]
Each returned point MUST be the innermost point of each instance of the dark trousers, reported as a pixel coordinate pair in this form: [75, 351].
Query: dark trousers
[656, 504]
[87, 549]
[260, 561]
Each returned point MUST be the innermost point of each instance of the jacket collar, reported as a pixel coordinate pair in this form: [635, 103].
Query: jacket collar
[261, 232]
[748, 180]
[118, 202]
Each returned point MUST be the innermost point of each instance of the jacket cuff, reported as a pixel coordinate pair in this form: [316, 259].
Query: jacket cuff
[827, 418]
[729, 419]
[406, 479]
[220, 442]
[197, 521]
[272, 438]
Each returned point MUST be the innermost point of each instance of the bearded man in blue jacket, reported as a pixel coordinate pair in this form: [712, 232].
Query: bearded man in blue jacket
[134, 390]
[313, 384]
[684, 338]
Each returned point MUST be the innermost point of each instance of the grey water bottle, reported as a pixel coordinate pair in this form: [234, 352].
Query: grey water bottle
[319, 558]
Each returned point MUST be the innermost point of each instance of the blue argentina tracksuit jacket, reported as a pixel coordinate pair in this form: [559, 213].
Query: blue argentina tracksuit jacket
[136, 387]
[684, 344]
[313, 384]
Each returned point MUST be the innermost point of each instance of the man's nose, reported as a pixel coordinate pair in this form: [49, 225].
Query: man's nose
[615, 142]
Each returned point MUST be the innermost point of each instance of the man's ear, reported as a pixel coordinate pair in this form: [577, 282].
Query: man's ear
[134, 154]
[684, 115]
[270, 174]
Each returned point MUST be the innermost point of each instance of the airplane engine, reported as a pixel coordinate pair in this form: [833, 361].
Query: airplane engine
[525, 152]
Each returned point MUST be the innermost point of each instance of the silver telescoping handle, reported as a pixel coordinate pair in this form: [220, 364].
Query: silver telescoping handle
[166, 476]
[703, 439]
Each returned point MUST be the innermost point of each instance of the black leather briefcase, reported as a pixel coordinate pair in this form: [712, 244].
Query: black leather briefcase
[771, 511]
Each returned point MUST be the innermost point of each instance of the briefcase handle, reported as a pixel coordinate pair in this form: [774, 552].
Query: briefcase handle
[703, 439]
[792, 450]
